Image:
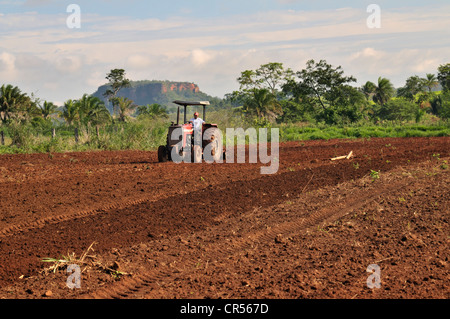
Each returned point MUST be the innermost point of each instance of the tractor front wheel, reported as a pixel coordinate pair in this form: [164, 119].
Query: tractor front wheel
[163, 155]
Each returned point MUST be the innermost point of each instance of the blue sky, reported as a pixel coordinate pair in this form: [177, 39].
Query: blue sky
[211, 42]
[196, 8]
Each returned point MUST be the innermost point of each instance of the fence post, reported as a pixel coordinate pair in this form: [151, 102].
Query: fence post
[2, 137]
[97, 130]
[53, 133]
[76, 135]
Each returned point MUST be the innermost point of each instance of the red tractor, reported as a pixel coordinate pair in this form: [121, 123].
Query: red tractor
[181, 143]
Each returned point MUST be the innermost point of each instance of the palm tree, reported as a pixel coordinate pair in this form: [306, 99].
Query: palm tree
[47, 109]
[262, 103]
[70, 112]
[430, 82]
[10, 98]
[92, 110]
[383, 91]
[368, 89]
[152, 110]
[125, 106]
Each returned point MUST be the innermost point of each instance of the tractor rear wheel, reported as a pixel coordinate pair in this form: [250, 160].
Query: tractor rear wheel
[213, 144]
[197, 154]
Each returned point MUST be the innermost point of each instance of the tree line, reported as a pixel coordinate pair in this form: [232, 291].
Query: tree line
[323, 93]
[270, 94]
[87, 111]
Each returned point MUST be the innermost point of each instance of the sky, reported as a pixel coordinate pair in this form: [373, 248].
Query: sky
[57, 53]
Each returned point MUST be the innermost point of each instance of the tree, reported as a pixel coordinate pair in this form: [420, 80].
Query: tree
[15, 104]
[445, 108]
[383, 91]
[444, 76]
[270, 76]
[262, 103]
[294, 112]
[28, 108]
[247, 80]
[10, 98]
[430, 82]
[70, 111]
[117, 81]
[414, 85]
[398, 109]
[125, 106]
[260, 90]
[368, 89]
[152, 110]
[320, 81]
[440, 105]
[92, 110]
[349, 104]
[47, 109]
[326, 91]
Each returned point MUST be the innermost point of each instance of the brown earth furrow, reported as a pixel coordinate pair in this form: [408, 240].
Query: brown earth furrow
[22, 227]
[219, 252]
[31, 199]
[232, 198]
[12, 230]
[126, 199]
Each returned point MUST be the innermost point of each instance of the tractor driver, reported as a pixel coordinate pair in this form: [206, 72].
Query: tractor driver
[197, 122]
[198, 125]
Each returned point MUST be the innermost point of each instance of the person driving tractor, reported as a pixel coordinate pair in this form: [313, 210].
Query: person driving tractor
[183, 141]
[197, 122]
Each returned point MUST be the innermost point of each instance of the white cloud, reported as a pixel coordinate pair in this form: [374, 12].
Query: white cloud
[68, 64]
[368, 64]
[368, 52]
[36, 48]
[200, 57]
[37, 2]
[7, 62]
[137, 61]
[96, 79]
[423, 66]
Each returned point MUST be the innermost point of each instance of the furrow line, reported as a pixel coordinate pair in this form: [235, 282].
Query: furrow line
[14, 229]
[144, 282]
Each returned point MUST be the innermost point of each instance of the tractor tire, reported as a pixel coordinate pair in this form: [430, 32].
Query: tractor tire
[162, 154]
[197, 154]
[213, 138]
[188, 155]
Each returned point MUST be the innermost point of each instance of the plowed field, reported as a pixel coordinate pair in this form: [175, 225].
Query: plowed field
[166, 230]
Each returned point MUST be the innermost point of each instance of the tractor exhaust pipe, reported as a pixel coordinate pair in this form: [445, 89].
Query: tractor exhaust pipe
[178, 116]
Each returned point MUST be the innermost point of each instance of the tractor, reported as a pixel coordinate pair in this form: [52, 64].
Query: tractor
[180, 139]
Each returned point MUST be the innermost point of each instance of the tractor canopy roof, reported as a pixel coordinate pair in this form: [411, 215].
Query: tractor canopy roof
[185, 103]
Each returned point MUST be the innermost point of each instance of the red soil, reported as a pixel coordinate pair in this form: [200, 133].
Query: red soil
[226, 231]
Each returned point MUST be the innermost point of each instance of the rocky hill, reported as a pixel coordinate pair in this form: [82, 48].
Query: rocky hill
[161, 92]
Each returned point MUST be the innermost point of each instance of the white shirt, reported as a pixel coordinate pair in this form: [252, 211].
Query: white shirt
[197, 123]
